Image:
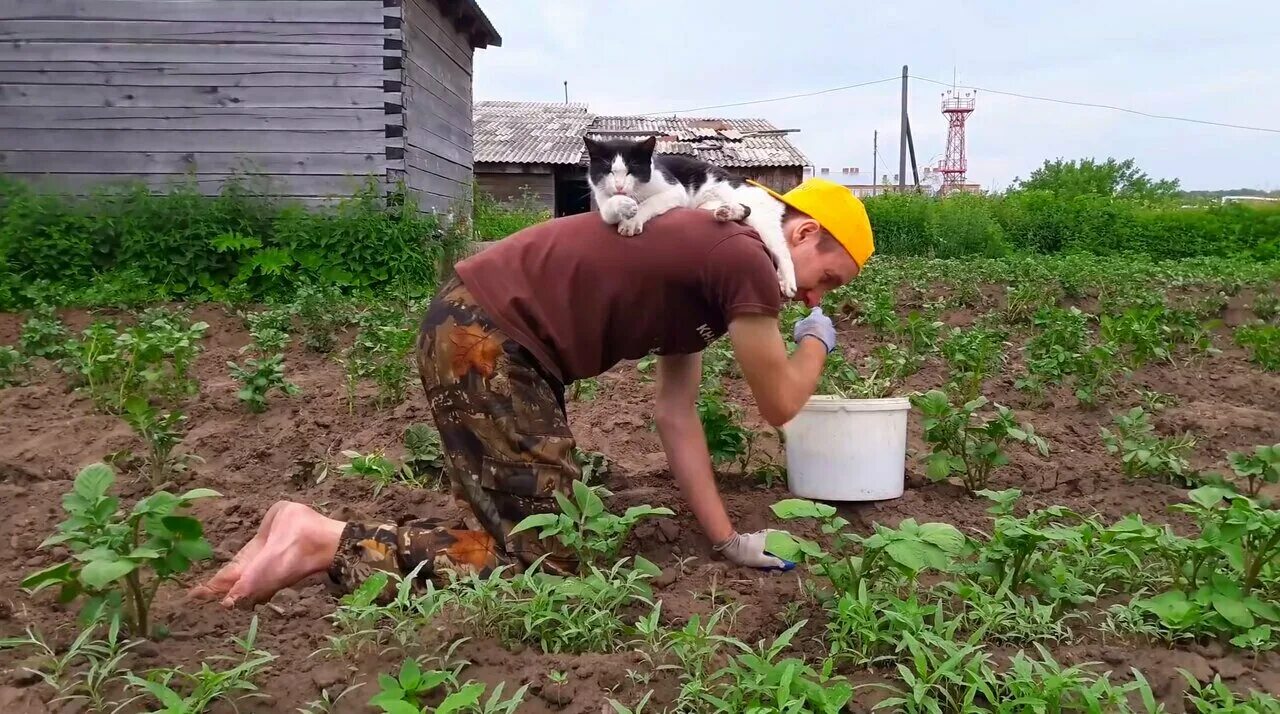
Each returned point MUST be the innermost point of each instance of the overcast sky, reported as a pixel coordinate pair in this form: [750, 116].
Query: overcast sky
[1217, 61]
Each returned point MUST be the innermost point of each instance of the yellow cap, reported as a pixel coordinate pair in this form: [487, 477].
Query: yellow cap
[836, 209]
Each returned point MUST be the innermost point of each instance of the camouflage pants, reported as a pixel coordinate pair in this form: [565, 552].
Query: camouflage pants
[507, 450]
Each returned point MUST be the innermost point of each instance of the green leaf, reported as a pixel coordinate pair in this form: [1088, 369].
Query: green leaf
[93, 481]
[943, 535]
[907, 554]
[1209, 496]
[193, 549]
[98, 574]
[41, 579]
[196, 493]
[801, 508]
[369, 590]
[783, 545]
[1170, 607]
[1233, 610]
[183, 526]
[466, 697]
[646, 566]
[537, 520]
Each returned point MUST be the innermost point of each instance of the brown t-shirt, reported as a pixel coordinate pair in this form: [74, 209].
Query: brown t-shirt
[581, 298]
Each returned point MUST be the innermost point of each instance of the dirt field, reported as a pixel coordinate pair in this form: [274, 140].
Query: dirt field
[47, 432]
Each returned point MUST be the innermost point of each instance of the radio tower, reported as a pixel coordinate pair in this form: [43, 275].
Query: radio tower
[956, 107]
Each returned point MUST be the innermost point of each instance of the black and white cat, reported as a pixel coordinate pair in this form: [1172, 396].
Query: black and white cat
[632, 185]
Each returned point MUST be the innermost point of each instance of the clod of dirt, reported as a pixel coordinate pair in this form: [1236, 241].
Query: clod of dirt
[666, 577]
[21, 701]
[668, 531]
[1195, 665]
[1229, 668]
[328, 675]
[557, 695]
[27, 671]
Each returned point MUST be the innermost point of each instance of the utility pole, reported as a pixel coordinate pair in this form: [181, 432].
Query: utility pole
[902, 143]
[875, 154]
[911, 147]
[566, 91]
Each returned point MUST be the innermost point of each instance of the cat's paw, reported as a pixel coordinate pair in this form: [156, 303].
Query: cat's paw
[787, 284]
[731, 212]
[630, 226]
[619, 208]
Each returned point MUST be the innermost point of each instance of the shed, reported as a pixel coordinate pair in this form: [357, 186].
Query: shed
[314, 95]
[536, 149]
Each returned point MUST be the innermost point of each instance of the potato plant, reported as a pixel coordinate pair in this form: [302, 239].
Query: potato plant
[258, 378]
[13, 366]
[151, 359]
[1145, 454]
[120, 559]
[161, 432]
[585, 527]
[1257, 469]
[966, 444]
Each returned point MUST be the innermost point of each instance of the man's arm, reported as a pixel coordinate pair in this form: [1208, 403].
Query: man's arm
[780, 384]
[676, 414]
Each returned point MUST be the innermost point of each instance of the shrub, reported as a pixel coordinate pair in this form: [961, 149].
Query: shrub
[494, 220]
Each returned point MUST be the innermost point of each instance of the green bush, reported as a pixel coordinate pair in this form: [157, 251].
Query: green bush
[1042, 221]
[494, 220]
[125, 244]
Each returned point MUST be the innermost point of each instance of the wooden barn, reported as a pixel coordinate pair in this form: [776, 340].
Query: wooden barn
[314, 95]
[535, 149]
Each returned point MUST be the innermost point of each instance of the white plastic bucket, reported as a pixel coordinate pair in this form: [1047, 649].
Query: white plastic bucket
[848, 449]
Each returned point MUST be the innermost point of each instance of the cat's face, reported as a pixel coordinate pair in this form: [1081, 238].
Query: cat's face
[617, 167]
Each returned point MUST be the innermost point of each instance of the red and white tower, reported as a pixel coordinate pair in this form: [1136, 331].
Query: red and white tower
[956, 107]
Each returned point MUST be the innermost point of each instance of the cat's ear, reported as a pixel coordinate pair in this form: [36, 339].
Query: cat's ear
[648, 145]
[593, 146]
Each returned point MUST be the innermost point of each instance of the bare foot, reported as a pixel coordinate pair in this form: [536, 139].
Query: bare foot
[292, 543]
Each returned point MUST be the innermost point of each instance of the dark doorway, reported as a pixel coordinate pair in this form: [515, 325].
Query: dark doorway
[572, 193]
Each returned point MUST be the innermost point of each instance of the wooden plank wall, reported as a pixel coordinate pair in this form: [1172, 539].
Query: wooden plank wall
[297, 90]
[506, 187]
[436, 96]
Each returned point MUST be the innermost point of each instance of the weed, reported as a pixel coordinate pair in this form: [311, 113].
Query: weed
[379, 469]
[584, 390]
[13, 364]
[585, 527]
[259, 377]
[1156, 401]
[321, 311]
[207, 685]
[161, 431]
[1217, 698]
[381, 353]
[1143, 453]
[757, 680]
[722, 425]
[594, 465]
[424, 453]
[114, 551]
[1044, 685]
[941, 675]
[966, 444]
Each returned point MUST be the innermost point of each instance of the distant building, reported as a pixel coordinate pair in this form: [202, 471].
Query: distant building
[536, 149]
[863, 184]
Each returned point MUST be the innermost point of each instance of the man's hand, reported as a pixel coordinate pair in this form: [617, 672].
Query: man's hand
[817, 325]
[749, 550]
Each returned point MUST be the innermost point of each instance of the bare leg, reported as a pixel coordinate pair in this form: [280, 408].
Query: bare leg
[293, 543]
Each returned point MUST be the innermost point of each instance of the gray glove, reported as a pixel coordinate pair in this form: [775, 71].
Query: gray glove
[749, 550]
[819, 326]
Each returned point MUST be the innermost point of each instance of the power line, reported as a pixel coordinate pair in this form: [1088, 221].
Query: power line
[1095, 105]
[775, 99]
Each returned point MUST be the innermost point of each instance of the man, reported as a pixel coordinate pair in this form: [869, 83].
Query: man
[566, 300]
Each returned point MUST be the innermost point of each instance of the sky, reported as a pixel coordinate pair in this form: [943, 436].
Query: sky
[1213, 61]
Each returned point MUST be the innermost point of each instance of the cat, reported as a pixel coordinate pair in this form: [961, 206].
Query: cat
[632, 185]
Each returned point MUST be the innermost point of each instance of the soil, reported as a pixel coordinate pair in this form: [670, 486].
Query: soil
[48, 432]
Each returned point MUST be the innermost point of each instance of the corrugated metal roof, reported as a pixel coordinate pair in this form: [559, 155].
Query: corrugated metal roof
[529, 132]
[551, 133]
[725, 142]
